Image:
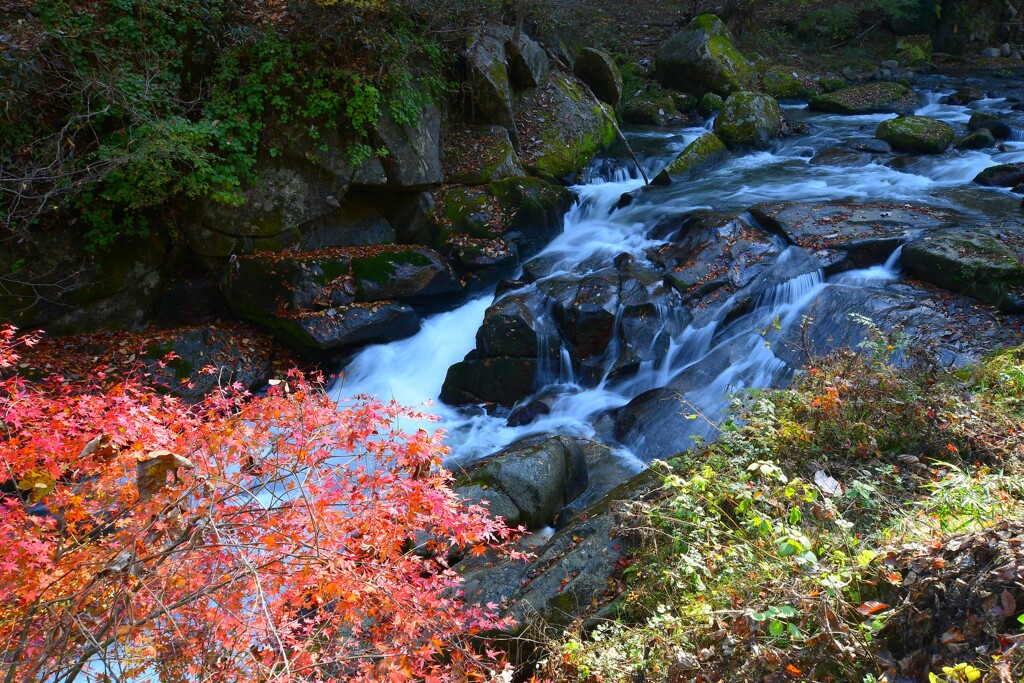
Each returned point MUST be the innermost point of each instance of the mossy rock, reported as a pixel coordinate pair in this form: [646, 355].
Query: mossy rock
[992, 123]
[916, 134]
[985, 262]
[748, 120]
[487, 77]
[831, 84]
[315, 333]
[978, 139]
[685, 102]
[787, 84]
[702, 58]
[643, 113]
[700, 155]
[406, 273]
[873, 98]
[479, 155]
[1001, 175]
[914, 50]
[710, 104]
[562, 128]
[597, 69]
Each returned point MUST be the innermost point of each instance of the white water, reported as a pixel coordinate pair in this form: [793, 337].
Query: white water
[413, 370]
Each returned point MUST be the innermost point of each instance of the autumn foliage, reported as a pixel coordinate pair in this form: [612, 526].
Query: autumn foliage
[270, 538]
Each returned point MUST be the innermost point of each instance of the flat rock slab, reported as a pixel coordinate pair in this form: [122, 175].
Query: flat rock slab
[986, 262]
[848, 236]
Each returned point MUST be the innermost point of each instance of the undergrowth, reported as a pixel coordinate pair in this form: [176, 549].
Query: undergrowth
[773, 552]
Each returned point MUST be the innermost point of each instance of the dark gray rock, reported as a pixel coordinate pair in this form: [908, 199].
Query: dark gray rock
[837, 156]
[488, 79]
[499, 381]
[527, 62]
[978, 139]
[992, 123]
[1001, 175]
[597, 69]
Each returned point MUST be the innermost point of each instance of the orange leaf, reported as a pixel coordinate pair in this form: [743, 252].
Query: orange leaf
[872, 606]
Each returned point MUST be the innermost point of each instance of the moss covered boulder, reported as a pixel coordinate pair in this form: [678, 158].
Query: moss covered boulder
[748, 120]
[597, 69]
[787, 84]
[986, 262]
[1001, 175]
[992, 123]
[562, 127]
[873, 98]
[978, 139]
[525, 211]
[710, 104]
[916, 134]
[700, 155]
[351, 293]
[479, 155]
[702, 58]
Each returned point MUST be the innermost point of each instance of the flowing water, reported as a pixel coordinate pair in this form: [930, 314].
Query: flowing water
[725, 354]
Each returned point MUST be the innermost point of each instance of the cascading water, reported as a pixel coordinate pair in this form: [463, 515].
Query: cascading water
[735, 345]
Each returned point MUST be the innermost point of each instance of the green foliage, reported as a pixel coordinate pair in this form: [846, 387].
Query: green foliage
[766, 550]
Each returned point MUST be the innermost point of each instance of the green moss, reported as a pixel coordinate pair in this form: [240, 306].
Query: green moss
[785, 84]
[748, 119]
[333, 269]
[873, 98]
[705, 151]
[709, 104]
[916, 134]
[378, 269]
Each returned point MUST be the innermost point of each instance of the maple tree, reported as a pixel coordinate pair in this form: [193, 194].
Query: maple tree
[257, 538]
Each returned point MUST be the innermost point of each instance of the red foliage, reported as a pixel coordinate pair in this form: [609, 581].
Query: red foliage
[294, 540]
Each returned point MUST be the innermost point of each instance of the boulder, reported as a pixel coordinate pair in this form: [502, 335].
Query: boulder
[511, 328]
[524, 211]
[480, 155]
[527, 61]
[350, 293]
[487, 78]
[412, 149]
[585, 310]
[748, 120]
[995, 125]
[913, 50]
[916, 134]
[540, 475]
[978, 139]
[644, 112]
[838, 156]
[597, 69]
[700, 155]
[871, 145]
[986, 262]
[710, 104]
[51, 282]
[873, 98]
[787, 84]
[963, 96]
[831, 83]
[561, 127]
[1002, 175]
[991, 53]
[845, 236]
[497, 381]
[702, 58]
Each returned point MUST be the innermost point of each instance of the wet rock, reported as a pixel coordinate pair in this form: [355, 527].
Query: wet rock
[873, 98]
[498, 504]
[979, 139]
[702, 58]
[1002, 175]
[527, 62]
[848, 236]
[916, 134]
[540, 475]
[597, 69]
[787, 84]
[748, 120]
[483, 261]
[343, 327]
[985, 262]
[963, 96]
[480, 155]
[499, 381]
[700, 155]
[510, 328]
[585, 310]
[872, 145]
[995, 125]
[991, 53]
[561, 127]
[836, 156]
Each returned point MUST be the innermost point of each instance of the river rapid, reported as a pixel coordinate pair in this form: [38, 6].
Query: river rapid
[719, 351]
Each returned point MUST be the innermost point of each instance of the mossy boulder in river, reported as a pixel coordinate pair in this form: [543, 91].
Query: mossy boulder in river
[1002, 175]
[597, 69]
[916, 134]
[748, 120]
[710, 104]
[702, 58]
[701, 154]
[986, 262]
[561, 127]
[873, 98]
[787, 84]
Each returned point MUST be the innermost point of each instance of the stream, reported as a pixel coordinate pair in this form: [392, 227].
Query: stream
[725, 346]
